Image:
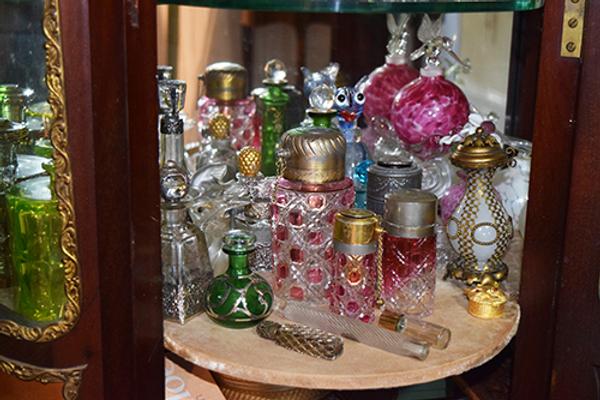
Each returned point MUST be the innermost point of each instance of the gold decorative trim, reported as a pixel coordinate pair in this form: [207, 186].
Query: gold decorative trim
[64, 188]
[71, 377]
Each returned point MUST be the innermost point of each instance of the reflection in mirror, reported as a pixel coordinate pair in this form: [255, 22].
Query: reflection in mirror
[32, 277]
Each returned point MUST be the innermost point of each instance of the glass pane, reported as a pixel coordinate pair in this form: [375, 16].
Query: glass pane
[366, 6]
[32, 276]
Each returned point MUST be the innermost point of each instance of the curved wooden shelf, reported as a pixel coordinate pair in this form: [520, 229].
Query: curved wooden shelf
[244, 355]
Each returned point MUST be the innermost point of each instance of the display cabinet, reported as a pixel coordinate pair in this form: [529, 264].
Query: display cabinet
[94, 215]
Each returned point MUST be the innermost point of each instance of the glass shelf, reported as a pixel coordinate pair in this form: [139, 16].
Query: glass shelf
[366, 6]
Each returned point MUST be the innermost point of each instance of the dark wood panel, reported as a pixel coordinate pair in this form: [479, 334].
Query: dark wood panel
[576, 348]
[546, 216]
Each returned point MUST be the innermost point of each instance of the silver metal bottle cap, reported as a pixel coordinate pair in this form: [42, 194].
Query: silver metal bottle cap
[410, 213]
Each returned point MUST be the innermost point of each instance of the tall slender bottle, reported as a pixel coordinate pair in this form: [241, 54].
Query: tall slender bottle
[172, 98]
[273, 117]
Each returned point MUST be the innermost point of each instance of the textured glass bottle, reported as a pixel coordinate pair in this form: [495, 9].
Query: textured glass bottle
[185, 263]
[353, 289]
[226, 93]
[171, 100]
[35, 227]
[274, 103]
[386, 81]
[239, 298]
[409, 252]
[312, 190]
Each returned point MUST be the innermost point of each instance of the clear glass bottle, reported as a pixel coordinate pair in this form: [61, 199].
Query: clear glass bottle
[226, 91]
[239, 298]
[409, 252]
[274, 103]
[172, 99]
[312, 190]
[386, 81]
[35, 227]
[185, 263]
[353, 291]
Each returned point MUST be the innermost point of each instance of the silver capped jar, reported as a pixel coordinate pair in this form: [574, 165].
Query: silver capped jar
[389, 175]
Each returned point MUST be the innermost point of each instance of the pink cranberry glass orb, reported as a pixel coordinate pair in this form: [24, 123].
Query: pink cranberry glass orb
[427, 109]
[383, 85]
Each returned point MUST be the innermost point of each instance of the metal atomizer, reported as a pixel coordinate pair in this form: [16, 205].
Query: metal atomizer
[387, 176]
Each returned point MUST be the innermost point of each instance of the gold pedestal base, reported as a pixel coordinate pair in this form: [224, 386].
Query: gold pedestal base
[238, 389]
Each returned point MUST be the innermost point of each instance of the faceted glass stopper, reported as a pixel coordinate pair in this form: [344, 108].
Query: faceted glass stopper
[239, 242]
[275, 72]
[173, 182]
[322, 98]
[249, 161]
[171, 95]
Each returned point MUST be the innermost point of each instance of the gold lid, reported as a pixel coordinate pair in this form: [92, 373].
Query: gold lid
[219, 126]
[249, 160]
[480, 150]
[486, 301]
[225, 81]
[390, 320]
[314, 156]
[355, 227]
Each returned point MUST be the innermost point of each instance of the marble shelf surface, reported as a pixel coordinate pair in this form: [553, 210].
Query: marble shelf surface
[244, 355]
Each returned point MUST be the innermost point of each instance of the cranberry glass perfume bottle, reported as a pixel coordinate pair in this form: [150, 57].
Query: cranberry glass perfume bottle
[353, 289]
[386, 81]
[409, 252]
[312, 190]
[225, 86]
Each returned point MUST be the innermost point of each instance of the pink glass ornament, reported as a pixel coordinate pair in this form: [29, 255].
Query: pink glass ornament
[427, 109]
[302, 240]
[383, 85]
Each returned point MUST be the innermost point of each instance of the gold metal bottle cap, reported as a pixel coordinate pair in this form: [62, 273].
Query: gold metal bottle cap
[355, 231]
[486, 301]
[249, 160]
[410, 213]
[225, 81]
[480, 150]
[314, 156]
[219, 126]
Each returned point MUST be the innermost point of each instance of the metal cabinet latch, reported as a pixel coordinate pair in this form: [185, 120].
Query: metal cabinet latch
[572, 30]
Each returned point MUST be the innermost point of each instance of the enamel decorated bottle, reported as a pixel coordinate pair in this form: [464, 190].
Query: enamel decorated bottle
[386, 81]
[225, 86]
[312, 190]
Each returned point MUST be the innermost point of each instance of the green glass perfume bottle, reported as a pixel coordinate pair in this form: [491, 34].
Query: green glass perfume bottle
[274, 102]
[35, 226]
[239, 298]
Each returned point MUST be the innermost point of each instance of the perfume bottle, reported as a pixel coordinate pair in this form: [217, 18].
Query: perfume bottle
[274, 103]
[217, 158]
[186, 267]
[11, 134]
[349, 102]
[172, 99]
[239, 298]
[225, 86]
[409, 252]
[386, 81]
[35, 227]
[480, 229]
[388, 175]
[430, 107]
[353, 291]
[312, 190]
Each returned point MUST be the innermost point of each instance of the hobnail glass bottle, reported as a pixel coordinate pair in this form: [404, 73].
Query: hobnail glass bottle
[225, 86]
[239, 298]
[353, 289]
[35, 226]
[409, 252]
[273, 104]
[386, 81]
[186, 266]
[312, 190]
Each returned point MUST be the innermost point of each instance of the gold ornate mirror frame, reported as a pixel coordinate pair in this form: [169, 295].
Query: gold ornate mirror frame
[69, 377]
[63, 187]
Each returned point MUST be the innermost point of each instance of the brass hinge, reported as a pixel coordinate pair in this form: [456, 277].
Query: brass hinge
[572, 32]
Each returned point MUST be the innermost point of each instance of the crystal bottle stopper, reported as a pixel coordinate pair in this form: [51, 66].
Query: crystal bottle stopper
[321, 99]
[174, 182]
[275, 73]
[171, 95]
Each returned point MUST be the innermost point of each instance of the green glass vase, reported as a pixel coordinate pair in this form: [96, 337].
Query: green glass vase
[239, 298]
[35, 226]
